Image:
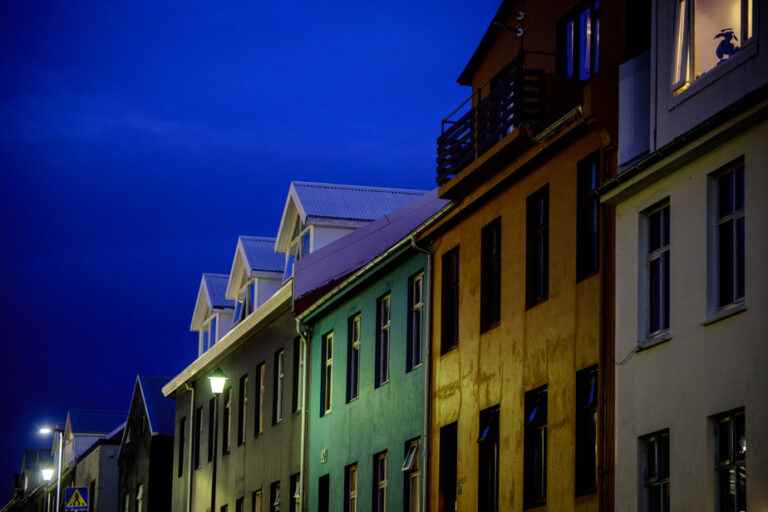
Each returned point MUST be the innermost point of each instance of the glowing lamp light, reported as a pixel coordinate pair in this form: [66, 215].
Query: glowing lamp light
[218, 380]
[45, 431]
[47, 474]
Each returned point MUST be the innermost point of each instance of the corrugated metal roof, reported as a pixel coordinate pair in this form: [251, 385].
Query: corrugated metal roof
[161, 410]
[329, 200]
[347, 254]
[261, 255]
[217, 288]
[95, 422]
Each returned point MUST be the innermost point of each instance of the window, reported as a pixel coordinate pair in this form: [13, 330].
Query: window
[324, 494]
[450, 300]
[140, 498]
[380, 482]
[490, 275]
[226, 442]
[727, 193]
[411, 477]
[731, 461]
[586, 431]
[240, 504]
[415, 321]
[535, 449]
[537, 247]
[488, 466]
[126, 502]
[657, 270]
[326, 373]
[587, 217]
[260, 380]
[279, 376]
[298, 365]
[447, 472]
[209, 333]
[656, 471]
[197, 434]
[242, 403]
[300, 246]
[353, 357]
[708, 33]
[274, 497]
[211, 427]
[224, 508]
[350, 488]
[295, 494]
[182, 444]
[579, 42]
[383, 325]
[92, 496]
[257, 501]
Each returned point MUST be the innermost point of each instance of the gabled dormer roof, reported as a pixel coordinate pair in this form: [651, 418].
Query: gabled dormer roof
[352, 205]
[160, 411]
[253, 255]
[210, 295]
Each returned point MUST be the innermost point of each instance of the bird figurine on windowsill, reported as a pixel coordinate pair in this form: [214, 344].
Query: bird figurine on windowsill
[726, 49]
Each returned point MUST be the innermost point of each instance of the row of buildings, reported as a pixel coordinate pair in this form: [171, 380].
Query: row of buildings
[571, 320]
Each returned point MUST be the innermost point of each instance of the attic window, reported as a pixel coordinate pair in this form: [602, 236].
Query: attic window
[300, 246]
[246, 301]
[209, 332]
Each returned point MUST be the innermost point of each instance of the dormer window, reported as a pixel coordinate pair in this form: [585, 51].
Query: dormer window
[707, 34]
[246, 301]
[209, 332]
[301, 245]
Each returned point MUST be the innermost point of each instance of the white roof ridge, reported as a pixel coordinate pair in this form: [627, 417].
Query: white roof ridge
[347, 186]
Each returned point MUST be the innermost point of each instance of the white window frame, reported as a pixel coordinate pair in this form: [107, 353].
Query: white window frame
[327, 373]
[206, 338]
[352, 488]
[683, 47]
[356, 324]
[280, 385]
[382, 481]
[714, 310]
[411, 469]
[417, 309]
[295, 250]
[646, 337]
[384, 329]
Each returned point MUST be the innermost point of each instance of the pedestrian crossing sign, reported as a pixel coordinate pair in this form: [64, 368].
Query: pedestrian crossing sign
[76, 499]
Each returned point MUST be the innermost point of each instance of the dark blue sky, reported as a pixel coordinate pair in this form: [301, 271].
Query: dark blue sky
[138, 139]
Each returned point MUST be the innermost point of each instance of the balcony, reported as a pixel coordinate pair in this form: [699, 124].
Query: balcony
[519, 96]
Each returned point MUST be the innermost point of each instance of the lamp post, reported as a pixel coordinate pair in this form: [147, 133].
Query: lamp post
[217, 380]
[46, 431]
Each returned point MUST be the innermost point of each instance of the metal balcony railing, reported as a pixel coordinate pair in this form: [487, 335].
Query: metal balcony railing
[512, 99]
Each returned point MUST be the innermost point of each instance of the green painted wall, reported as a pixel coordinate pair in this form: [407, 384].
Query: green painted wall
[383, 418]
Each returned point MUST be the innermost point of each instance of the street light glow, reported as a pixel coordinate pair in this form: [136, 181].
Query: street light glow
[45, 431]
[47, 474]
[218, 380]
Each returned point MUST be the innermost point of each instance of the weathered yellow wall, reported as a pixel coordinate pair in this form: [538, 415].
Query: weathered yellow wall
[544, 345]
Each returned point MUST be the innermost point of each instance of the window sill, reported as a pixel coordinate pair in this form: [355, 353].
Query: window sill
[713, 75]
[447, 350]
[488, 328]
[724, 312]
[414, 368]
[656, 339]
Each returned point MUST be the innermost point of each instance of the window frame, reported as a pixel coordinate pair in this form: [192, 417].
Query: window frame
[587, 217]
[537, 238]
[278, 391]
[274, 496]
[259, 382]
[383, 339]
[295, 494]
[257, 498]
[535, 429]
[648, 337]
[226, 438]
[416, 307]
[659, 442]
[450, 299]
[490, 275]
[734, 462]
[354, 335]
[411, 469]
[587, 412]
[326, 373]
[380, 481]
[716, 308]
[351, 493]
[571, 57]
[242, 404]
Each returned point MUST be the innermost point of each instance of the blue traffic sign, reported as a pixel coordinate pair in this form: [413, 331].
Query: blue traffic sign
[76, 499]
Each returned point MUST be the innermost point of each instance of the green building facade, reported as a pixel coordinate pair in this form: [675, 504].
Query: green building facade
[366, 425]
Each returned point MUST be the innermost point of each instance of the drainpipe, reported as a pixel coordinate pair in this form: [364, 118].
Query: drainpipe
[191, 390]
[427, 367]
[304, 333]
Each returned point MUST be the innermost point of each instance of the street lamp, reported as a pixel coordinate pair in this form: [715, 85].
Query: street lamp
[48, 471]
[217, 380]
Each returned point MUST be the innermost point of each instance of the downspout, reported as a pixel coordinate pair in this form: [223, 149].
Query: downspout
[427, 369]
[304, 333]
[191, 390]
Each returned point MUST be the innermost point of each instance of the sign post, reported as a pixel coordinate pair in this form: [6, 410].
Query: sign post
[76, 499]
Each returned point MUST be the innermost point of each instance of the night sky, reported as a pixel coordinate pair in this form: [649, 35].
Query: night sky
[138, 140]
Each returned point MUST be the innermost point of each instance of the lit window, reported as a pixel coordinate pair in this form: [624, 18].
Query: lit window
[384, 323]
[731, 461]
[415, 321]
[353, 357]
[326, 372]
[380, 482]
[350, 488]
[708, 33]
[579, 46]
[656, 471]
[257, 501]
[412, 477]
[727, 193]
